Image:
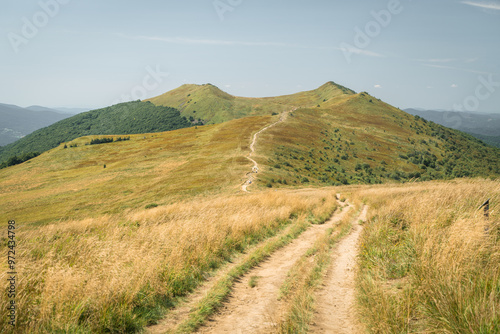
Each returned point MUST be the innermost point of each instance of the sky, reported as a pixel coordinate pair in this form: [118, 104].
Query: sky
[431, 54]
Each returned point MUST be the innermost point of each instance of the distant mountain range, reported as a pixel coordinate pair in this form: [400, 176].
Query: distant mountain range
[61, 110]
[17, 122]
[483, 126]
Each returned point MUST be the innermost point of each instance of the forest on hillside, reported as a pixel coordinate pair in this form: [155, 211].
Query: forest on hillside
[121, 119]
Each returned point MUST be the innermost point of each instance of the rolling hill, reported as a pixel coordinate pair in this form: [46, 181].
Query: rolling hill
[17, 122]
[209, 103]
[121, 119]
[348, 139]
[200, 104]
[360, 139]
[368, 135]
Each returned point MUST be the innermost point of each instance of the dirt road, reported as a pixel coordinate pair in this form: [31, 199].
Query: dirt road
[335, 302]
[254, 309]
[251, 310]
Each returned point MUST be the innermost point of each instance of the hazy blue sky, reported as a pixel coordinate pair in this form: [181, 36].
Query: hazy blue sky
[440, 54]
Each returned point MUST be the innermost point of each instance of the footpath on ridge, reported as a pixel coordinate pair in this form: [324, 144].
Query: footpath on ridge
[255, 167]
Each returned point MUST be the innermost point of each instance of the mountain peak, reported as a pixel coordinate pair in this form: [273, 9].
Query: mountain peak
[189, 90]
[330, 86]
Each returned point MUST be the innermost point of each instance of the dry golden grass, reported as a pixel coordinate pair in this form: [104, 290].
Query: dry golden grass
[116, 273]
[157, 168]
[430, 261]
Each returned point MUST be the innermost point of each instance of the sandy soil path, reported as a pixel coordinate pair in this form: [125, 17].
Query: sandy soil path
[251, 310]
[335, 302]
[255, 167]
[181, 313]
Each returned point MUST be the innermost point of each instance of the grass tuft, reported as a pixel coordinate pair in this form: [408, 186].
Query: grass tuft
[430, 261]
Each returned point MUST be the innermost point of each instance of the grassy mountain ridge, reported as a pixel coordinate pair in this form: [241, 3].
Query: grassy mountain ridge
[211, 104]
[196, 102]
[364, 140]
[352, 139]
[121, 119]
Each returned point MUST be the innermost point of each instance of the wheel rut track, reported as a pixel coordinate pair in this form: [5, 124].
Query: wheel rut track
[335, 311]
[252, 310]
[182, 312]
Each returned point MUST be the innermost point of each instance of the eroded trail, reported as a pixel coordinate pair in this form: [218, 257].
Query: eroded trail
[336, 300]
[255, 167]
[251, 310]
[181, 313]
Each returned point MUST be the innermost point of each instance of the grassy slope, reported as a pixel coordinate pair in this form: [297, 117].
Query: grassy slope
[154, 168]
[359, 139]
[430, 261]
[124, 118]
[73, 183]
[205, 102]
[117, 273]
[349, 139]
[209, 103]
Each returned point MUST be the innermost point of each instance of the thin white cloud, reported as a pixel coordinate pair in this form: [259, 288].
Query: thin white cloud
[447, 60]
[456, 68]
[482, 4]
[357, 51]
[377, 86]
[454, 86]
[214, 42]
[217, 42]
[437, 60]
